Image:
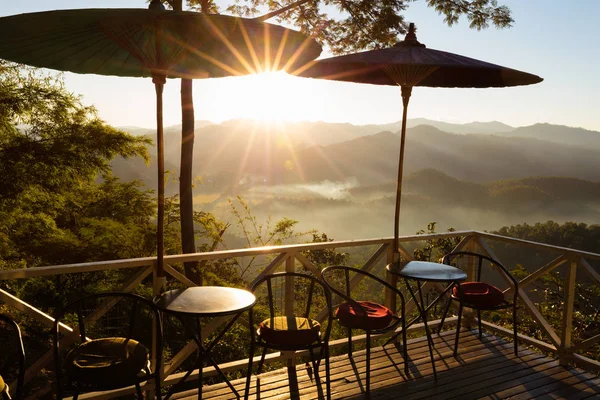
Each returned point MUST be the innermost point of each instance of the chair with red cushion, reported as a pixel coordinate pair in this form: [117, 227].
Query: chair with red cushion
[289, 307]
[368, 314]
[479, 294]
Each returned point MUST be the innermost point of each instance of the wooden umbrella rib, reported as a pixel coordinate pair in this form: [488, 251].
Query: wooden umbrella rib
[292, 60]
[177, 53]
[408, 75]
[231, 47]
[81, 46]
[112, 57]
[122, 37]
[30, 46]
[126, 60]
[250, 45]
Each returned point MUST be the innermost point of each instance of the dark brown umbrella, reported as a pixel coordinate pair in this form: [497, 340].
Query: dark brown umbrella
[152, 43]
[407, 64]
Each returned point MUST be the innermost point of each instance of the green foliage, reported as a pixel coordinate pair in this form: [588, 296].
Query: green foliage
[52, 150]
[363, 24]
[570, 234]
[325, 257]
[479, 12]
[350, 26]
[434, 249]
[257, 234]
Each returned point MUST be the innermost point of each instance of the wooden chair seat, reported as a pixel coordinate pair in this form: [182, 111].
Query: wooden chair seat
[293, 331]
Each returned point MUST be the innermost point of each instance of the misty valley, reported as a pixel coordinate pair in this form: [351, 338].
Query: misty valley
[340, 178]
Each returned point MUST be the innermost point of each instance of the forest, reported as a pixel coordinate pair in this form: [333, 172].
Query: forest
[62, 203]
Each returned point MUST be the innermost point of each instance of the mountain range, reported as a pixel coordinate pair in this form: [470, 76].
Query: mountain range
[341, 178]
[243, 151]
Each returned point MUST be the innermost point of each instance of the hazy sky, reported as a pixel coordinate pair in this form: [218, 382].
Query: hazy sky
[554, 39]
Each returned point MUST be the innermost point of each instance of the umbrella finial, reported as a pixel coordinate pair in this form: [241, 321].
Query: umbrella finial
[411, 35]
[410, 40]
[156, 5]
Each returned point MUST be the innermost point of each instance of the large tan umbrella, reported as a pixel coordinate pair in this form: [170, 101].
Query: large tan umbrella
[152, 43]
[407, 64]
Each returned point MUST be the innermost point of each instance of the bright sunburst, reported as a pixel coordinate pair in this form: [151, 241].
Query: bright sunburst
[268, 96]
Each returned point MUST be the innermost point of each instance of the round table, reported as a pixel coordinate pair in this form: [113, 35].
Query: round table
[205, 302]
[427, 271]
[420, 271]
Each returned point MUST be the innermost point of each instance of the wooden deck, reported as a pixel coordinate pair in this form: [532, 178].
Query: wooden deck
[483, 369]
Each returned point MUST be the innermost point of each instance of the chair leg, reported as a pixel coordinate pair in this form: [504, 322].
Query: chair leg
[138, 391]
[444, 315]
[515, 338]
[479, 323]
[6, 394]
[249, 372]
[314, 363]
[460, 310]
[157, 392]
[350, 342]
[262, 360]
[405, 349]
[327, 372]
[368, 380]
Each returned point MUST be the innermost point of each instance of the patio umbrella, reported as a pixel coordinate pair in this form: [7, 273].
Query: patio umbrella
[407, 64]
[152, 43]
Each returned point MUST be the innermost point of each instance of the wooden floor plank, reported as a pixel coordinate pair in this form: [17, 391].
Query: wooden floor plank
[549, 387]
[484, 369]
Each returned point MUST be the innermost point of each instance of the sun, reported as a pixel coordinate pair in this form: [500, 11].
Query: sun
[266, 96]
[270, 95]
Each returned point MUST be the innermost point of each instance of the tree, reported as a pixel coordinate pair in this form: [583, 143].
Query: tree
[59, 202]
[357, 25]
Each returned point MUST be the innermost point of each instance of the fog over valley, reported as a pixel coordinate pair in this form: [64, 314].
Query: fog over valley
[340, 178]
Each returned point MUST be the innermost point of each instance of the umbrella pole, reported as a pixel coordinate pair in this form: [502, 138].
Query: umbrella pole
[159, 273]
[406, 92]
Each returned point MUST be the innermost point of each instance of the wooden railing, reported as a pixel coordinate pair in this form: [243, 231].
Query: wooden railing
[556, 340]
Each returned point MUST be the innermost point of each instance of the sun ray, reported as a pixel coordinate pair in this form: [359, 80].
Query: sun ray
[246, 155]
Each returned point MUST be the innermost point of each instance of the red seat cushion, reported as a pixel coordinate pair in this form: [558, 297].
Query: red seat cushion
[479, 294]
[377, 317]
[289, 331]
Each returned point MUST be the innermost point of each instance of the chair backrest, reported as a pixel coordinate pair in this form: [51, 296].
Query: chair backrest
[480, 268]
[12, 364]
[353, 284]
[103, 315]
[292, 294]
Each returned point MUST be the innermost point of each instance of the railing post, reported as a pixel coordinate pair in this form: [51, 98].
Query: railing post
[564, 352]
[392, 279]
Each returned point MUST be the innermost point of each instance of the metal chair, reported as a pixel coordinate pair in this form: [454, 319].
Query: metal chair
[12, 344]
[288, 305]
[119, 354]
[368, 313]
[479, 294]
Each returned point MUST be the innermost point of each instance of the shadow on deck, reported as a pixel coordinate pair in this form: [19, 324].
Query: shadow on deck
[483, 369]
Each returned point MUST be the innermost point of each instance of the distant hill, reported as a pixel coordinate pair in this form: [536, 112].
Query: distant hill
[471, 127]
[247, 151]
[438, 188]
[559, 134]
[137, 131]
[474, 158]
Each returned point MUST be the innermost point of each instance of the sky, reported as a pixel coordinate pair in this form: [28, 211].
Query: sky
[554, 39]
